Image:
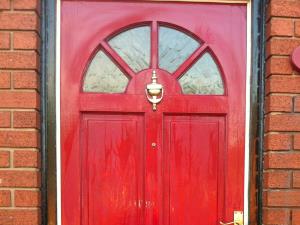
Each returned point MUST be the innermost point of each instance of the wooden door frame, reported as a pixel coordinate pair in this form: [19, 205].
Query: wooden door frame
[50, 92]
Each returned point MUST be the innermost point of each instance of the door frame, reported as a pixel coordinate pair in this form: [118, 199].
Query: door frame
[252, 59]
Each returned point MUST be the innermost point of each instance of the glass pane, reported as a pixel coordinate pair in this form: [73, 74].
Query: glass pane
[104, 76]
[174, 48]
[134, 47]
[203, 78]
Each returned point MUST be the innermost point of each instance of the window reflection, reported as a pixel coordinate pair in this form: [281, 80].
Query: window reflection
[104, 76]
[134, 47]
[203, 78]
[174, 48]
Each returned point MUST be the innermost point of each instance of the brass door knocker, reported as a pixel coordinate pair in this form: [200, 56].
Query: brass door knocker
[154, 91]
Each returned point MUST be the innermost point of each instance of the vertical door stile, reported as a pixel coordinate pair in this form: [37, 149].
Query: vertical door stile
[153, 167]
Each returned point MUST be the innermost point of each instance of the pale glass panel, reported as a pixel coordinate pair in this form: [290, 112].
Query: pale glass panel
[104, 76]
[174, 48]
[134, 47]
[203, 78]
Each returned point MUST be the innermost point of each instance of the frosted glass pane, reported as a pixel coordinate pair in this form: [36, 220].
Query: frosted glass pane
[174, 48]
[104, 76]
[134, 47]
[203, 78]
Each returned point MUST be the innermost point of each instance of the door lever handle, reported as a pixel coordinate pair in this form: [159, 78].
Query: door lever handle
[238, 219]
[229, 223]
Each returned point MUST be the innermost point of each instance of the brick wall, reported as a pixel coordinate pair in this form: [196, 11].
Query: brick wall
[19, 112]
[282, 118]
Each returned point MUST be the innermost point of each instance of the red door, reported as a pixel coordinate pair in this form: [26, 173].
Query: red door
[172, 152]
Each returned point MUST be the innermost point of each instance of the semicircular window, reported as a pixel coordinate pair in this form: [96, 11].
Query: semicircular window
[174, 48]
[203, 77]
[130, 51]
[103, 76]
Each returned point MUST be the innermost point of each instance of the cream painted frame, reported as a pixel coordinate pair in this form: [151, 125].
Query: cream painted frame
[248, 89]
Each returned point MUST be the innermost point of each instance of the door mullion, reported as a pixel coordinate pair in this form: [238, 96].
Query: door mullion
[154, 45]
[153, 168]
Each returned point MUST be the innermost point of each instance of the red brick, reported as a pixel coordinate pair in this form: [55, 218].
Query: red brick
[290, 8]
[297, 28]
[19, 68]
[278, 65]
[12, 20]
[297, 104]
[19, 139]
[4, 40]
[26, 158]
[4, 159]
[23, 100]
[26, 40]
[282, 198]
[4, 4]
[279, 103]
[295, 217]
[16, 178]
[281, 46]
[4, 80]
[23, 119]
[282, 122]
[19, 60]
[275, 142]
[276, 216]
[5, 119]
[27, 198]
[280, 27]
[25, 79]
[277, 179]
[296, 179]
[283, 84]
[5, 198]
[19, 216]
[282, 161]
[297, 142]
[28, 4]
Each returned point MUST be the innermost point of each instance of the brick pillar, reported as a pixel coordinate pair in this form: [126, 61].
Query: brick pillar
[282, 118]
[19, 112]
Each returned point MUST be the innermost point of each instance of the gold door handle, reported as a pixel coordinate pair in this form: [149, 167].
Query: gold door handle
[154, 91]
[238, 219]
[227, 223]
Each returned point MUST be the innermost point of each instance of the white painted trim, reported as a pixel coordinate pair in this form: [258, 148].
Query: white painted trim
[247, 118]
[57, 98]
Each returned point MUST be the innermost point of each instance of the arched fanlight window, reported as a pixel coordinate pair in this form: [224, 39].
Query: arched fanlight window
[175, 47]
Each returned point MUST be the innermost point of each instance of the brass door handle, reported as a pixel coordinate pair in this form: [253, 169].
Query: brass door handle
[154, 91]
[227, 223]
[238, 219]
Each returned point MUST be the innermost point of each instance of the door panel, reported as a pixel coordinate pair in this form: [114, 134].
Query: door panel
[194, 148]
[113, 166]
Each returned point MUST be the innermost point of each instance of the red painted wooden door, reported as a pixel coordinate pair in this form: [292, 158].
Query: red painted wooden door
[124, 163]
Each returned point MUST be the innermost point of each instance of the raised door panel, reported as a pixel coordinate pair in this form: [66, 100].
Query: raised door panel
[194, 149]
[113, 165]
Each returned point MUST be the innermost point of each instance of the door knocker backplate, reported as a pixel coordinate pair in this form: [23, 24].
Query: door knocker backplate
[154, 91]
